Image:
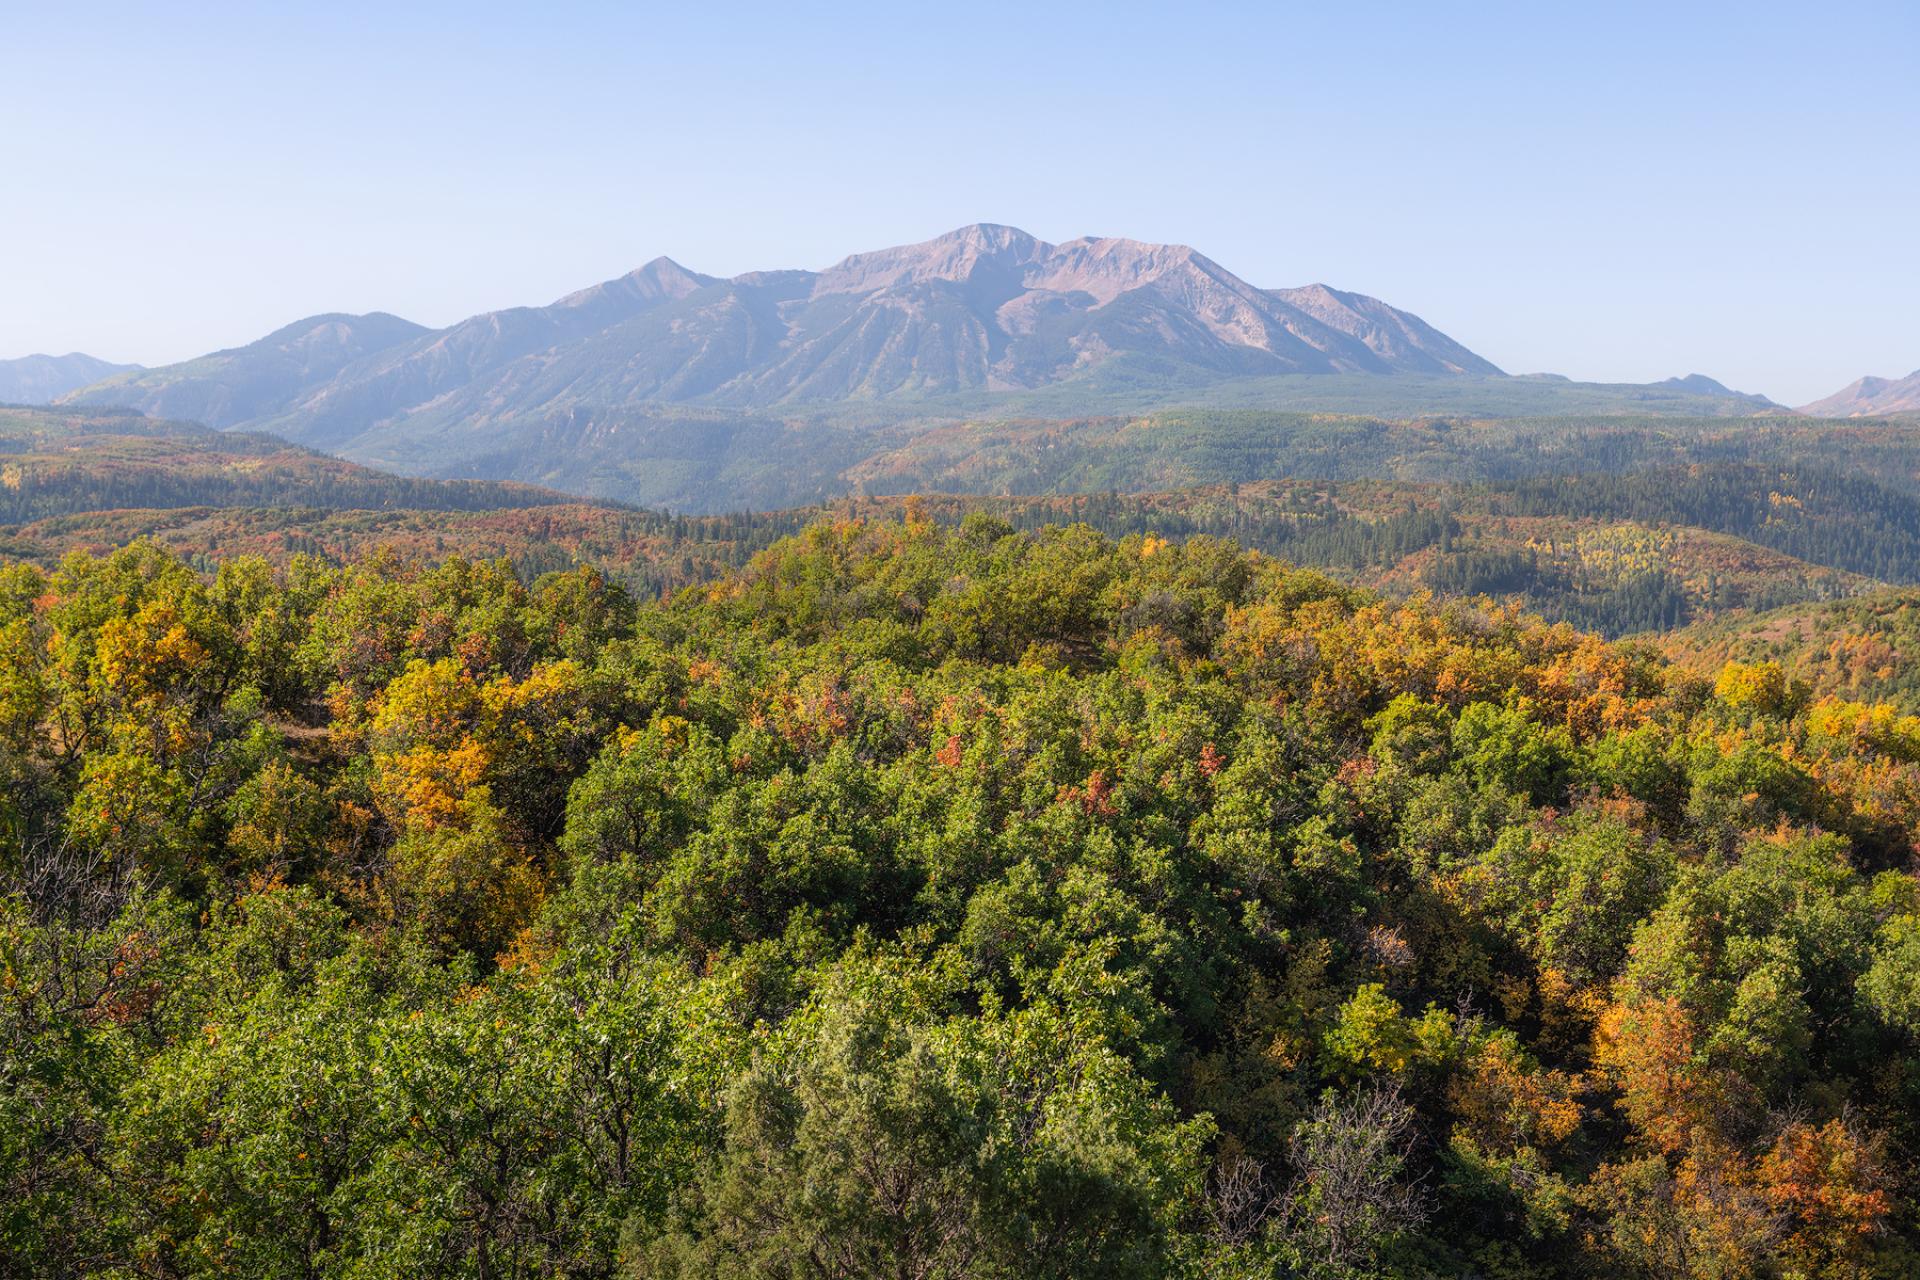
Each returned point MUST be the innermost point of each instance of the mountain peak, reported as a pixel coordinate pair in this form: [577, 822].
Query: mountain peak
[1322, 295]
[660, 279]
[994, 237]
[1868, 397]
[1699, 384]
[340, 329]
[665, 269]
[42, 379]
[956, 257]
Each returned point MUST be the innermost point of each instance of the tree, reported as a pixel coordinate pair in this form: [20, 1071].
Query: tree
[1349, 1207]
[894, 1141]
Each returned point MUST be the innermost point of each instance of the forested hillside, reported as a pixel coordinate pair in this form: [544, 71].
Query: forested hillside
[1618, 554]
[1619, 525]
[54, 462]
[933, 901]
[1613, 576]
[1176, 448]
[1866, 647]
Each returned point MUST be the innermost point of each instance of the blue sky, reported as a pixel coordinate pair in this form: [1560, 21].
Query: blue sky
[1615, 192]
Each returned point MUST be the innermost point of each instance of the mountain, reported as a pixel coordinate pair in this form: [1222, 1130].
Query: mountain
[982, 309]
[667, 386]
[1699, 384]
[242, 384]
[40, 379]
[1870, 397]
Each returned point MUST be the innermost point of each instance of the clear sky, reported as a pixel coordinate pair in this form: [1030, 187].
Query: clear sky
[1611, 191]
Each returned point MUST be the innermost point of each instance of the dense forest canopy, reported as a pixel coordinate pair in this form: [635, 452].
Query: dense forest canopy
[713, 463]
[934, 900]
[1179, 448]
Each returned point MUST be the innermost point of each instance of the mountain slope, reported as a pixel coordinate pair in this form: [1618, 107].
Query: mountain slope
[242, 385]
[1865, 648]
[1869, 397]
[434, 364]
[1403, 341]
[42, 379]
[1699, 384]
[984, 308]
[55, 463]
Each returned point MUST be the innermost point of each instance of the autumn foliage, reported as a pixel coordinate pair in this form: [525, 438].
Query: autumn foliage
[933, 901]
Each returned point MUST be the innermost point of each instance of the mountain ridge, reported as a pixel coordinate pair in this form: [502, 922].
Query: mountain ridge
[1868, 397]
[41, 378]
[982, 308]
[1700, 384]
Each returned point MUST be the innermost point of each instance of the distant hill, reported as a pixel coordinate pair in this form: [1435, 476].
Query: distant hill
[1699, 384]
[41, 379]
[57, 462]
[1870, 397]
